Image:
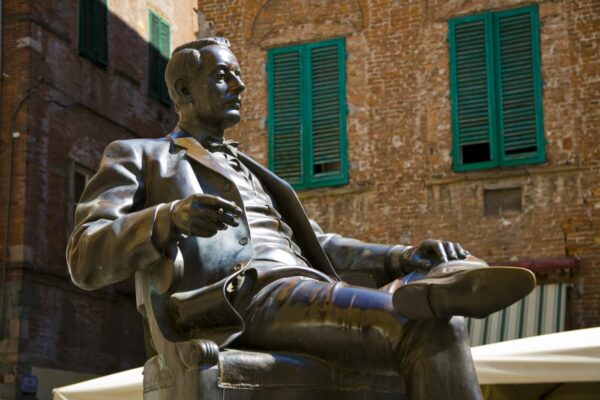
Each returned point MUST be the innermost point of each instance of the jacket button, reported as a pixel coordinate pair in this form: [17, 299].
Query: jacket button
[227, 187]
[237, 267]
[244, 241]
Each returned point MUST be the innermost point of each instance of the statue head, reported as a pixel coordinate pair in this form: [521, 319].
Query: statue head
[204, 83]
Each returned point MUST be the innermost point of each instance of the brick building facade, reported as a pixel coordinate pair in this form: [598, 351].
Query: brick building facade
[60, 107]
[58, 111]
[402, 185]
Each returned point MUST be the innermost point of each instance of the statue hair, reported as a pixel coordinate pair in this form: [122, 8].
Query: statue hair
[185, 60]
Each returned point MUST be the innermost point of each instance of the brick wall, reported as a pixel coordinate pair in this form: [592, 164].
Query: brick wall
[67, 110]
[402, 187]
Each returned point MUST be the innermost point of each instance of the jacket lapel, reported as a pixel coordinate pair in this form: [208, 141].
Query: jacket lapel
[195, 151]
[284, 195]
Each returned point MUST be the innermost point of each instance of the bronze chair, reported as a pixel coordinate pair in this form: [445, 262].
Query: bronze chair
[186, 367]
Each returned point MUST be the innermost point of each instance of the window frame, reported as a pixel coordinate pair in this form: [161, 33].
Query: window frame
[87, 172]
[494, 91]
[310, 179]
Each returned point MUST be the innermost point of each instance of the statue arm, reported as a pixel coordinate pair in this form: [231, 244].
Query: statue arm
[114, 234]
[352, 258]
[386, 263]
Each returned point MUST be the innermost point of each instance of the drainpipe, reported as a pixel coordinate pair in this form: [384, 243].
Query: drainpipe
[13, 135]
[8, 199]
[11, 138]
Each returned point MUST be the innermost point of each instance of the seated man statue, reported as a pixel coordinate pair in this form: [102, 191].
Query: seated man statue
[261, 275]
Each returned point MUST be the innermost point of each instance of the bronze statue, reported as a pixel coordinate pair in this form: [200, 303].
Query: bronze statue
[248, 269]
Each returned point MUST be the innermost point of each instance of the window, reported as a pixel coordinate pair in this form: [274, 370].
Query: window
[80, 176]
[307, 114]
[159, 49]
[495, 89]
[93, 31]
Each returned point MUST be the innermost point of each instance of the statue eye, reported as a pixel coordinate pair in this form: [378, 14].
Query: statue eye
[220, 75]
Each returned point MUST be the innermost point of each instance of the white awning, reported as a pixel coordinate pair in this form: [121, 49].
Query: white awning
[572, 356]
[126, 385]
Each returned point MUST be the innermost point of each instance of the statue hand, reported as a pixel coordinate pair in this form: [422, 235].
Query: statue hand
[429, 253]
[203, 215]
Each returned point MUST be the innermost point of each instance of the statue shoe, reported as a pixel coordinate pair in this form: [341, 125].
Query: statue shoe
[467, 288]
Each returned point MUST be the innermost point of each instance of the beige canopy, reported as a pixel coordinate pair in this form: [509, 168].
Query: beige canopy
[572, 356]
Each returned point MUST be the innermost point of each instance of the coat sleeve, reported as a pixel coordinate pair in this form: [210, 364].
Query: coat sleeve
[114, 234]
[353, 259]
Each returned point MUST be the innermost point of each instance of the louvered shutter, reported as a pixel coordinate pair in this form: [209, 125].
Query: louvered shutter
[327, 115]
[495, 88]
[307, 114]
[86, 28]
[472, 92]
[519, 108]
[101, 32]
[285, 111]
[154, 62]
[165, 50]
[93, 31]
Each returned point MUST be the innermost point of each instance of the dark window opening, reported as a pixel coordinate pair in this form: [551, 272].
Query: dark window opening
[523, 150]
[475, 153]
[326, 167]
[79, 179]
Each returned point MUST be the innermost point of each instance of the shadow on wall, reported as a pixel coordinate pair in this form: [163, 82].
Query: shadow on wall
[92, 79]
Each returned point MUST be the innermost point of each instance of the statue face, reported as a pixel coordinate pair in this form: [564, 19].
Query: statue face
[216, 88]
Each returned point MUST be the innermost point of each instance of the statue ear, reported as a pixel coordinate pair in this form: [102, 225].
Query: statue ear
[182, 89]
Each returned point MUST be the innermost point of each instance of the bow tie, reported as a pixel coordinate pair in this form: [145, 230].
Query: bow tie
[224, 146]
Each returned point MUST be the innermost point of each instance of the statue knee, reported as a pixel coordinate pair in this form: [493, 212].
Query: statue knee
[434, 335]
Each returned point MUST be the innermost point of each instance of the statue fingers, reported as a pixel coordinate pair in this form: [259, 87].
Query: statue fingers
[227, 217]
[450, 250]
[462, 253]
[216, 203]
[438, 247]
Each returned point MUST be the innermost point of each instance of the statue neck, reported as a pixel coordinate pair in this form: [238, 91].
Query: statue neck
[200, 129]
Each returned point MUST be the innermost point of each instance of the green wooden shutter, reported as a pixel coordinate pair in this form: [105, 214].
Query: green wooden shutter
[86, 28]
[307, 114]
[472, 92]
[93, 31]
[154, 56]
[102, 32]
[285, 111]
[165, 51]
[327, 110]
[495, 88]
[519, 86]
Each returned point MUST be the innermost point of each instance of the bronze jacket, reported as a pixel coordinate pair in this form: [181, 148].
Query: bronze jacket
[126, 206]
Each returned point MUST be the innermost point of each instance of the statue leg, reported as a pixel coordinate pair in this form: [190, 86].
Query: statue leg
[358, 328]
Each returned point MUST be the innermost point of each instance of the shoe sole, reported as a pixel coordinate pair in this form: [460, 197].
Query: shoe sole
[472, 293]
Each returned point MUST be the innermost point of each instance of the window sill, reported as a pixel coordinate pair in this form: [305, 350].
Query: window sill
[306, 194]
[503, 173]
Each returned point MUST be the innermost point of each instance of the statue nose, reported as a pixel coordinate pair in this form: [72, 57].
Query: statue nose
[238, 85]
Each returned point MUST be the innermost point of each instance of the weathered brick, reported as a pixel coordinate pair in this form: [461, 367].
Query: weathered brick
[402, 187]
[67, 110]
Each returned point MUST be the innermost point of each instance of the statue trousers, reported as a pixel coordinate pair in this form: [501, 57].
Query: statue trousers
[358, 328]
